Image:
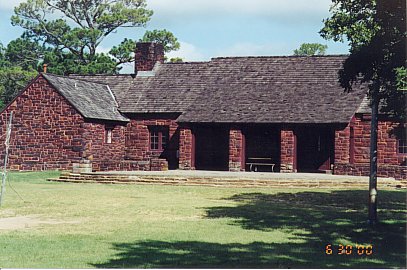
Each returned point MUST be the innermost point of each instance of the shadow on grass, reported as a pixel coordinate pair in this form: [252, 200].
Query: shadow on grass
[190, 254]
[316, 218]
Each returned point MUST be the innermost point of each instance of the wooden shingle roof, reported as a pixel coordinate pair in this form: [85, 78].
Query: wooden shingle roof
[172, 88]
[92, 100]
[277, 89]
[119, 84]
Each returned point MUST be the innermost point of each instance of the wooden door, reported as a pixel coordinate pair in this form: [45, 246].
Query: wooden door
[315, 147]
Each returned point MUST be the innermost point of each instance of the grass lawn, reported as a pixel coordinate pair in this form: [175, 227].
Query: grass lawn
[138, 226]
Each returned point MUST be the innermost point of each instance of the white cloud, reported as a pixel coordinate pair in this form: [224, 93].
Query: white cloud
[9, 4]
[127, 68]
[242, 7]
[101, 49]
[253, 49]
[188, 52]
[255, 7]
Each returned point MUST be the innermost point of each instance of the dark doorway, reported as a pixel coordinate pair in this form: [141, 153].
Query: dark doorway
[173, 151]
[161, 141]
[212, 148]
[315, 149]
[263, 149]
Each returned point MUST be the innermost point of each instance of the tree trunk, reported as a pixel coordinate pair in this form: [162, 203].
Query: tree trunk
[373, 157]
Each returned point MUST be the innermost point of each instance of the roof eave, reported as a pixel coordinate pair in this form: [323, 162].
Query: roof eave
[126, 120]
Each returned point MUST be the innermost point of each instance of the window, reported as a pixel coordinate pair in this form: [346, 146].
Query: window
[108, 134]
[402, 142]
[158, 138]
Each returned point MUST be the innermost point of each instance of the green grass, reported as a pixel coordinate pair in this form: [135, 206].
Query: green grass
[138, 226]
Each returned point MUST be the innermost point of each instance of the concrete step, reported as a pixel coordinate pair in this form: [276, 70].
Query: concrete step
[221, 182]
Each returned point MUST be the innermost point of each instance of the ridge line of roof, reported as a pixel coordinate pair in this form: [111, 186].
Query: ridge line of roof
[187, 62]
[280, 56]
[73, 79]
[254, 57]
[99, 75]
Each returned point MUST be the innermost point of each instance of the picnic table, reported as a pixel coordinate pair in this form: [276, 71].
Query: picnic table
[255, 162]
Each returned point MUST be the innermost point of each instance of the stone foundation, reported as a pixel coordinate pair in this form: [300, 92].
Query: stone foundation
[132, 165]
[395, 171]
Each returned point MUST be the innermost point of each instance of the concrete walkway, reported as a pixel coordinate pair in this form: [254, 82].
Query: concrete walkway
[241, 175]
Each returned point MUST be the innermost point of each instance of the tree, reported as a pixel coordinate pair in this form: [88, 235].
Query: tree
[16, 70]
[72, 41]
[124, 52]
[86, 23]
[376, 34]
[69, 44]
[176, 60]
[12, 80]
[164, 37]
[402, 78]
[24, 52]
[309, 49]
[21, 60]
[65, 63]
[2, 56]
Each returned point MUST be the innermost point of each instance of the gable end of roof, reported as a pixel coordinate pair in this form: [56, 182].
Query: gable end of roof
[91, 100]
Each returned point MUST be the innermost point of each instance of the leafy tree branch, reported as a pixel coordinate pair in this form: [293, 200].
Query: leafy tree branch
[90, 21]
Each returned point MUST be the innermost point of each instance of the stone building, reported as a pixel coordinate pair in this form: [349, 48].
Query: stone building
[280, 114]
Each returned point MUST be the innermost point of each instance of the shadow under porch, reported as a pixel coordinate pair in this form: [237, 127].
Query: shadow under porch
[258, 147]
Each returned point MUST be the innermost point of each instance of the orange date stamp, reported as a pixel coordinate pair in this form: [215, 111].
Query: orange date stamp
[359, 250]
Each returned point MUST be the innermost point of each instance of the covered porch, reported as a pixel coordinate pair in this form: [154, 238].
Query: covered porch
[260, 148]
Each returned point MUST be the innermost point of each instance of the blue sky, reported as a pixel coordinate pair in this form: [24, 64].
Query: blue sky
[210, 28]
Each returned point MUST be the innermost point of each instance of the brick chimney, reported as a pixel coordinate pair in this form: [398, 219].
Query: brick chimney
[147, 54]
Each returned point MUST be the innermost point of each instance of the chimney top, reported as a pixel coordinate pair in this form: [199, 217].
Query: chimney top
[44, 68]
[147, 55]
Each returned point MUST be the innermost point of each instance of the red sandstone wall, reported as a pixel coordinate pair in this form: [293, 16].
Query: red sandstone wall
[342, 141]
[186, 146]
[46, 132]
[390, 163]
[104, 156]
[236, 147]
[288, 149]
[138, 154]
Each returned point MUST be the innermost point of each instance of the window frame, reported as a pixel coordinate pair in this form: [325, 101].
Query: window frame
[108, 135]
[162, 135]
[404, 140]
